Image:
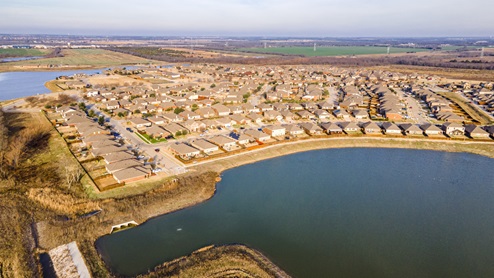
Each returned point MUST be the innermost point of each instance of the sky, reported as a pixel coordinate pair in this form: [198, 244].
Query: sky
[298, 18]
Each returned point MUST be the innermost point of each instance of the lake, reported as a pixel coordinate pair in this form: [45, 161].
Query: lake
[15, 59]
[336, 213]
[22, 84]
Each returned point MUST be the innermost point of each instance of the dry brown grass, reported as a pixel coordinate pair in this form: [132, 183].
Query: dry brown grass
[473, 111]
[450, 73]
[221, 261]
[60, 202]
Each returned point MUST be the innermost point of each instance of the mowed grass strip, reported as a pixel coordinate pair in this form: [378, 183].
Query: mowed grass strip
[332, 50]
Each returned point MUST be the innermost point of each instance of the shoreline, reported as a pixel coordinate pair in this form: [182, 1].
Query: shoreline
[229, 162]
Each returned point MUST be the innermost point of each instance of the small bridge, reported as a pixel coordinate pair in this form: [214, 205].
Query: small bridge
[121, 226]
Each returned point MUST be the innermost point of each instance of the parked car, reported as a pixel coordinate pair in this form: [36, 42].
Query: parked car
[157, 150]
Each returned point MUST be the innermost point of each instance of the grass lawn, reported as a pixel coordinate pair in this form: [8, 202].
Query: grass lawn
[148, 139]
[333, 50]
[11, 52]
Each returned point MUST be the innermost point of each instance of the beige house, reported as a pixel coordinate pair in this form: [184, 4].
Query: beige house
[204, 146]
[258, 135]
[453, 129]
[184, 151]
[275, 131]
[226, 143]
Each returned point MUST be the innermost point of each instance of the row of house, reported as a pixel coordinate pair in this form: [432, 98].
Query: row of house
[121, 163]
[212, 145]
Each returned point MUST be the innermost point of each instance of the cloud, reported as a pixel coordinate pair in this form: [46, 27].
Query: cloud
[249, 17]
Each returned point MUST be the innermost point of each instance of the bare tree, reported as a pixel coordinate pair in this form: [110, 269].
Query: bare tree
[72, 172]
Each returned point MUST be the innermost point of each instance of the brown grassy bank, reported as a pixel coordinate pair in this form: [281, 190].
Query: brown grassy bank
[219, 261]
[171, 196]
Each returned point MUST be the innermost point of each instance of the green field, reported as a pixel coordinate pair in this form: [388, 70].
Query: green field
[11, 52]
[332, 50]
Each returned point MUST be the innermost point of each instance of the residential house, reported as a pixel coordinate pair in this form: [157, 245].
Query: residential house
[341, 114]
[157, 132]
[194, 126]
[371, 128]
[132, 174]
[322, 114]
[275, 130]
[256, 118]
[241, 139]
[224, 142]
[331, 128]
[391, 128]
[140, 123]
[184, 151]
[206, 112]
[263, 107]
[272, 115]
[225, 122]
[349, 127]
[176, 129]
[360, 114]
[249, 108]
[189, 115]
[240, 119]
[475, 131]
[412, 129]
[118, 156]
[112, 105]
[289, 116]
[173, 118]
[157, 120]
[431, 130]
[107, 150]
[294, 130]
[311, 128]
[121, 165]
[258, 135]
[304, 114]
[204, 146]
[221, 110]
[453, 129]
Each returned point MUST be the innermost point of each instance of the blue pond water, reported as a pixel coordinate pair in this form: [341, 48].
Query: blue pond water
[336, 213]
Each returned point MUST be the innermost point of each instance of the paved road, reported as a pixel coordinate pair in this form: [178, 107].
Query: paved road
[415, 110]
[169, 164]
[333, 96]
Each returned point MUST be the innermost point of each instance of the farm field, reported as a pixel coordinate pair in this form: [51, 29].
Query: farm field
[332, 50]
[76, 58]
